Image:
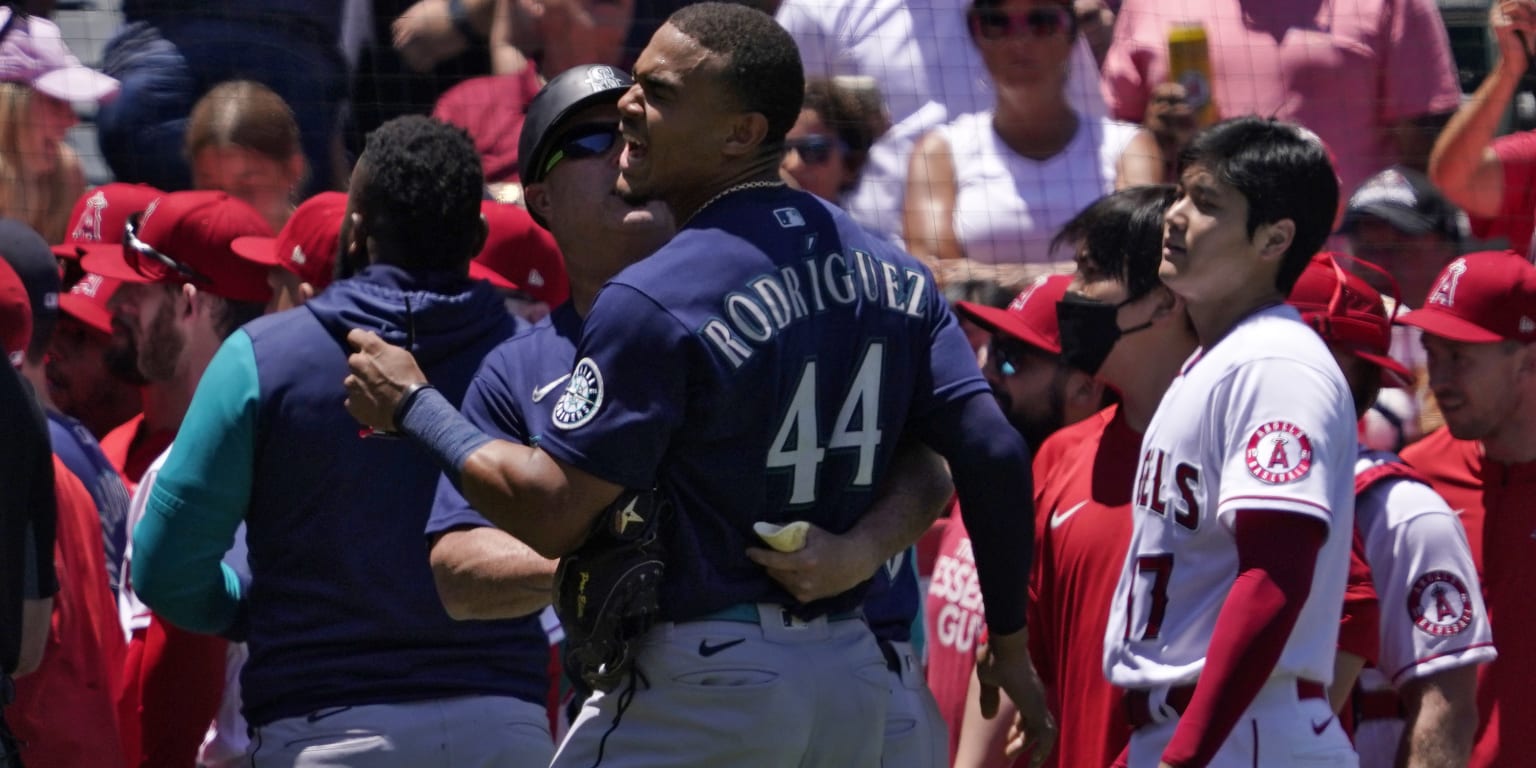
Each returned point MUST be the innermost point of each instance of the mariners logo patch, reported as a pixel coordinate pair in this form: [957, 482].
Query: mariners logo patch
[583, 396]
[1279, 452]
[1439, 604]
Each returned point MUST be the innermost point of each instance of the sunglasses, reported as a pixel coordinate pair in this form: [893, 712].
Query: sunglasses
[152, 264]
[814, 150]
[995, 24]
[586, 141]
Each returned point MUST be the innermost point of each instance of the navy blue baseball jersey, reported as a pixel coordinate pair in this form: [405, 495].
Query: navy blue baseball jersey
[511, 398]
[760, 366]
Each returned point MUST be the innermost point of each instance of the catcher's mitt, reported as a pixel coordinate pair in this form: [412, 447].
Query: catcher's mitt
[606, 592]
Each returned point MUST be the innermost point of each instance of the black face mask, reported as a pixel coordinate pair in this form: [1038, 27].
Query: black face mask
[1089, 330]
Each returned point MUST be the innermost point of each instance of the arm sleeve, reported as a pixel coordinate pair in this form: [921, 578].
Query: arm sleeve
[200, 498]
[491, 406]
[1433, 616]
[1360, 626]
[1517, 156]
[627, 391]
[1276, 553]
[1418, 74]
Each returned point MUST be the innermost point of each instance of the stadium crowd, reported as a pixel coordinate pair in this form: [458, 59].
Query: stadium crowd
[1252, 281]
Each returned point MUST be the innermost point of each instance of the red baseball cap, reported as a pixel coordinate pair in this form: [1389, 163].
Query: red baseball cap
[15, 315]
[523, 253]
[1346, 311]
[87, 300]
[1481, 298]
[1030, 317]
[307, 245]
[185, 237]
[97, 219]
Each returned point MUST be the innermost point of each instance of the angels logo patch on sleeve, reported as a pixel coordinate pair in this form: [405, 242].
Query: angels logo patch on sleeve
[1439, 604]
[1279, 452]
[583, 396]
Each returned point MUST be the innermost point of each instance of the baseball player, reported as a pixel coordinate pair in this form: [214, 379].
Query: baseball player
[1479, 323]
[1433, 627]
[757, 368]
[1227, 608]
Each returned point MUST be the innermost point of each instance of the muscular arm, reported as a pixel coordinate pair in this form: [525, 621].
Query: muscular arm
[1441, 719]
[486, 573]
[1462, 163]
[909, 498]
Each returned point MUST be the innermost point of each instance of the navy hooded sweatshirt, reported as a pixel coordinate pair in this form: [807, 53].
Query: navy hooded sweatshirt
[341, 609]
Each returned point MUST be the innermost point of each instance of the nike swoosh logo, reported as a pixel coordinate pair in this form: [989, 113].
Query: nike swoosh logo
[706, 650]
[1057, 518]
[1318, 729]
[540, 392]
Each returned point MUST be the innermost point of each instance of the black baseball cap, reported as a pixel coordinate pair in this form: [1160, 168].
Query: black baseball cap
[1405, 199]
[33, 261]
[570, 91]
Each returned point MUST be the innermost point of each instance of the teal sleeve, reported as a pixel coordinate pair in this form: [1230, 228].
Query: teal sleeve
[200, 498]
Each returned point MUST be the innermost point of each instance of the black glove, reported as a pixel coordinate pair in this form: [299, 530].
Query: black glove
[607, 591]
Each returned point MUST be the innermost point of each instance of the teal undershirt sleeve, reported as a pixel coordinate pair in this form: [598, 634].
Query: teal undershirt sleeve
[200, 498]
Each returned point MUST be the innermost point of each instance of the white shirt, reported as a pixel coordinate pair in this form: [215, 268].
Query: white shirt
[1261, 420]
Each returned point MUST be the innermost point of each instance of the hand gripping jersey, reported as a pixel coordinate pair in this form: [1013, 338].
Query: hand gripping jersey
[1261, 420]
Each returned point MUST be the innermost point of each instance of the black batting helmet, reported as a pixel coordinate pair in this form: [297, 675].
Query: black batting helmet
[570, 91]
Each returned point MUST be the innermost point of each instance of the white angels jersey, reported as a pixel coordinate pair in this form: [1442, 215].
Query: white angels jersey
[1432, 612]
[1261, 420]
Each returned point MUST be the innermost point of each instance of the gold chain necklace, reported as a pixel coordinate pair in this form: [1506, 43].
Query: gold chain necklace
[728, 190]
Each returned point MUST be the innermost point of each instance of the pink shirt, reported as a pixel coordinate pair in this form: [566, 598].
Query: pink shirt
[1348, 70]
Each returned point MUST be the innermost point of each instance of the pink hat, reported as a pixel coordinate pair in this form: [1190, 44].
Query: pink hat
[1030, 317]
[33, 52]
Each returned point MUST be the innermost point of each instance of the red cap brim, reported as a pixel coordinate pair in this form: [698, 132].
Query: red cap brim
[256, 249]
[478, 271]
[1394, 375]
[1448, 326]
[1007, 323]
[86, 311]
[109, 262]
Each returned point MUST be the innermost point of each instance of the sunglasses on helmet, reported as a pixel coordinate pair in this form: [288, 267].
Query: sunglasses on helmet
[584, 141]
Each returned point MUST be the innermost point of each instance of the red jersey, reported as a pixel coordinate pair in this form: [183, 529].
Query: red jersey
[1082, 532]
[66, 712]
[1493, 502]
[131, 448]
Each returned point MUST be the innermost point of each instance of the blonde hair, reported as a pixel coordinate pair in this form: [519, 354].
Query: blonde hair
[43, 201]
[247, 114]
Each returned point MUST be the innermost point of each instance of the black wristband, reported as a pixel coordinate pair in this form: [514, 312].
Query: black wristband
[462, 23]
[404, 406]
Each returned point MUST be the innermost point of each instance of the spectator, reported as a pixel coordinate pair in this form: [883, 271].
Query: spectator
[1039, 395]
[184, 290]
[351, 651]
[828, 146]
[302, 258]
[1373, 78]
[1494, 180]
[39, 78]
[65, 712]
[242, 139]
[1478, 336]
[916, 56]
[171, 52]
[987, 192]
[1400, 221]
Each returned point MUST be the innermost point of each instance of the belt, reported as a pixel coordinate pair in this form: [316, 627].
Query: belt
[1382, 704]
[750, 613]
[1138, 703]
[892, 657]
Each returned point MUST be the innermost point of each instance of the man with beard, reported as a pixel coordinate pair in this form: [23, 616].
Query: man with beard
[1039, 394]
[184, 290]
[93, 376]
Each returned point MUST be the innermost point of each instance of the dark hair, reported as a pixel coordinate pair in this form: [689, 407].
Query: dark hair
[247, 114]
[229, 315]
[1283, 172]
[987, 293]
[1123, 235]
[421, 191]
[856, 121]
[761, 61]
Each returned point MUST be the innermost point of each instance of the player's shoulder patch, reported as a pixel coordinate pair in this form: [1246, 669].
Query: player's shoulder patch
[1440, 604]
[1279, 452]
[583, 396]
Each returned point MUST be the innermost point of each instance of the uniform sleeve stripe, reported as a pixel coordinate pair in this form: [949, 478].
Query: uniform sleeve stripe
[1441, 655]
[1224, 503]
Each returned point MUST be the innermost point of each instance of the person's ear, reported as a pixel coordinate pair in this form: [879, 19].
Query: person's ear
[1084, 393]
[745, 134]
[536, 197]
[1273, 240]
